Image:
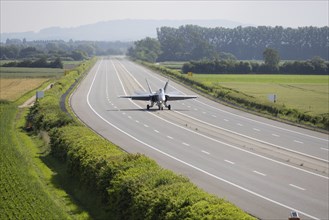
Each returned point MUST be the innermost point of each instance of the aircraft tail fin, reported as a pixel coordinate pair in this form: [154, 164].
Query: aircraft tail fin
[148, 85]
[165, 87]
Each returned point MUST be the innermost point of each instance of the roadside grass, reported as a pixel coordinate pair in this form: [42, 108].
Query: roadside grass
[307, 93]
[23, 195]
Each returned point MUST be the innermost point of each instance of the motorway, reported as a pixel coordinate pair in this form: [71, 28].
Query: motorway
[265, 167]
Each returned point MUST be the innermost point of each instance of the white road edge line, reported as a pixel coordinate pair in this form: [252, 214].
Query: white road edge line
[322, 148]
[183, 162]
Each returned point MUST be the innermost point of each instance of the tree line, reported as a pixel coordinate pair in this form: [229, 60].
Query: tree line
[72, 50]
[314, 66]
[191, 42]
[39, 63]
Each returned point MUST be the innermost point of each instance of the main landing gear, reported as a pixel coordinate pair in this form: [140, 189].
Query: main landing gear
[160, 107]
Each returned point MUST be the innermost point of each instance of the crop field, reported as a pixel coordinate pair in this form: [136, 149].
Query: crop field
[14, 82]
[13, 88]
[303, 92]
[22, 196]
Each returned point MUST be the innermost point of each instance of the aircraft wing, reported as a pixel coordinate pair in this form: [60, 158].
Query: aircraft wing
[171, 97]
[146, 97]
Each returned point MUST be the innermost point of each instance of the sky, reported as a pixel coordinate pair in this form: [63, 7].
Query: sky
[25, 15]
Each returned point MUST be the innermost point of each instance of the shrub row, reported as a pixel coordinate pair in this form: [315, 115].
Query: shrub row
[316, 66]
[237, 98]
[131, 186]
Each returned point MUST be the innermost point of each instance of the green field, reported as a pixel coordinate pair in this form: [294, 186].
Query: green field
[303, 92]
[25, 72]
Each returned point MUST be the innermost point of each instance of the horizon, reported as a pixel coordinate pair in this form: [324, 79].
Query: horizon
[42, 15]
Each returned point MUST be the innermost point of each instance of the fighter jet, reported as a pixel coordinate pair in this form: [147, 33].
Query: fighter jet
[159, 97]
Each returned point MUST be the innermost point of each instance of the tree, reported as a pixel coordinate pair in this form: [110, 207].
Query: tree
[147, 49]
[271, 59]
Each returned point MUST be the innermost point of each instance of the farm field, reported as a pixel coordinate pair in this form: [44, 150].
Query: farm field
[14, 82]
[13, 88]
[307, 93]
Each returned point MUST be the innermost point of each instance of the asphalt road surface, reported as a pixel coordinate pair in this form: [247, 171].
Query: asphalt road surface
[265, 167]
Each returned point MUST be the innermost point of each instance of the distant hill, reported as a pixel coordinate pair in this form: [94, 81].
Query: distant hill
[115, 30]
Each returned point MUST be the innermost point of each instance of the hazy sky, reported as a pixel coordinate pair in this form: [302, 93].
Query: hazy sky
[20, 16]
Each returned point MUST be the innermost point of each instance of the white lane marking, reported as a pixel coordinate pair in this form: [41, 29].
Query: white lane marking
[228, 161]
[259, 173]
[189, 106]
[299, 142]
[214, 116]
[156, 131]
[186, 144]
[170, 137]
[123, 113]
[188, 164]
[256, 129]
[183, 103]
[239, 124]
[146, 126]
[324, 149]
[115, 107]
[263, 123]
[205, 152]
[204, 112]
[275, 135]
[226, 120]
[195, 109]
[297, 187]
[255, 139]
[137, 121]
[129, 116]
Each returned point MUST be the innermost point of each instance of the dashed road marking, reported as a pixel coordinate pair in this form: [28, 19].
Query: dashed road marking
[156, 131]
[170, 137]
[297, 187]
[186, 144]
[259, 173]
[275, 135]
[205, 152]
[229, 162]
[299, 142]
[255, 129]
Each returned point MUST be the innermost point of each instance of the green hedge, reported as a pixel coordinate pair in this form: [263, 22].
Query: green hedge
[240, 99]
[131, 186]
